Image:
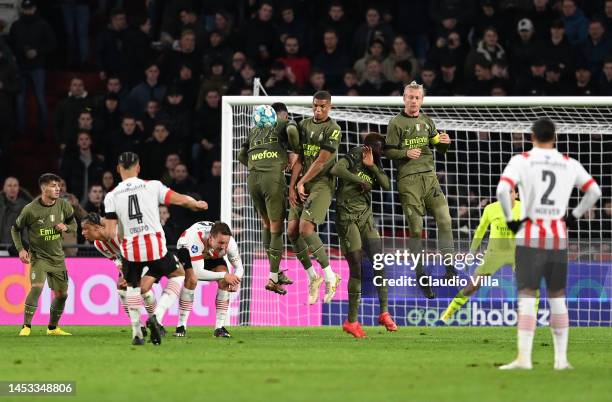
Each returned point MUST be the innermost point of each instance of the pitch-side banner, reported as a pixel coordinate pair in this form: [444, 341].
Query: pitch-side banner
[92, 296]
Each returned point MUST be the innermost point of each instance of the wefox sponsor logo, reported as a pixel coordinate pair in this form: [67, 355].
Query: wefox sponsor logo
[264, 155]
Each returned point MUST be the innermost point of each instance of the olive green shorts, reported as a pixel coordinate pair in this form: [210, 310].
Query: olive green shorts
[268, 193]
[56, 275]
[355, 231]
[421, 192]
[494, 260]
[315, 208]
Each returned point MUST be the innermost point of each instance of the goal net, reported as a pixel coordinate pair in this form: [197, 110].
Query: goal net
[485, 133]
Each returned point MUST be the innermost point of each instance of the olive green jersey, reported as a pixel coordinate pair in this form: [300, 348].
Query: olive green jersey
[315, 136]
[266, 147]
[406, 132]
[40, 221]
[351, 171]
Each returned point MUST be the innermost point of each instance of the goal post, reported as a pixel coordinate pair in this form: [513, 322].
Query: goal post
[485, 133]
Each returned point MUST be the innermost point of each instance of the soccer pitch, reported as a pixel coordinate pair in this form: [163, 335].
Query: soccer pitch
[315, 364]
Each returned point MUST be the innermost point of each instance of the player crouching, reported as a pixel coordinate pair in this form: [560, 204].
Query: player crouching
[201, 249]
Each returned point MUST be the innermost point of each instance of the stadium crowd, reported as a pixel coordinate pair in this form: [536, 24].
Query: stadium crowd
[164, 66]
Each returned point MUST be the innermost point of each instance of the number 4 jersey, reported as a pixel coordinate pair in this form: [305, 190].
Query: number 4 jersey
[546, 179]
[135, 204]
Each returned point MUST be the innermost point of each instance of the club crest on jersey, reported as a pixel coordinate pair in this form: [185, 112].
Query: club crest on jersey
[194, 249]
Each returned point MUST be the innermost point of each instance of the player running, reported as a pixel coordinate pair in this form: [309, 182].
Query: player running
[410, 135]
[500, 250]
[46, 218]
[358, 171]
[265, 155]
[201, 249]
[546, 179]
[133, 206]
[311, 196]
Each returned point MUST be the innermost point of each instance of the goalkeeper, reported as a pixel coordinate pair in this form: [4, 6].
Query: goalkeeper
[357, 172]
[410, 135]
[265, 155]
[500, 250]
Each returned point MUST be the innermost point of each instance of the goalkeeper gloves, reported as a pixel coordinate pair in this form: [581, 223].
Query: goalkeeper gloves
[571, 221]
[514, 226]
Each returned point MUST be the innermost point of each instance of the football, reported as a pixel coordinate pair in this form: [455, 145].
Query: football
[264, 116]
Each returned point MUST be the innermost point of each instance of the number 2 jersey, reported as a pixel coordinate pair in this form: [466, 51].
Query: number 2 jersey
[195, 239]
[135, 204]
[546, 179]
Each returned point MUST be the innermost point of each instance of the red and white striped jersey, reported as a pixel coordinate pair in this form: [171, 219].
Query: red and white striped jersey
[195, 239]
[135, 204]
[546, 179]
[110, 249]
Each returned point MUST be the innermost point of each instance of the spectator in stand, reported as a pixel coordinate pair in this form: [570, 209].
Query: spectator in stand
[81, 167]
[68, 111]
[373, 27]
[583, 84]
[95, 199]
[483, 80]
[452, 15]
[128, 138]
[332, 59]
[189, 21]
[299, 65]
[487, 16]
[605, 80]
[113, 85]
[238, 60]
[554, 85]
[216, 80]
[449, 48]
[147, 90]
[337, 21]
[595, 47]
[557, 50]
[534, 83]
[178, 118]
[316, 82]
[373, 82]
[171, 232]
[523, 50]
[112, 56]
[108, 117]
[217, 50]
[375, 51]
[401, 76]
[108, 182]
[209, 189]
[151, 116]
[501, 75]
[260, 31]
[575, 22]
[155, 150]
[138, 50]
[184, 184]
[428, 78]
[488, 49]
[606, 16]
[418, 31]
[172, 160]
[280, 81]
[449, 83]
[350, 82]
[9, 13]
[400, 51]
[207, 127]
[542, 15]
[186, 52]
[76, 24]
[32, 39]
[292, 26]
[9, 87]
[243, 79]
[12, 201]
[224, 24]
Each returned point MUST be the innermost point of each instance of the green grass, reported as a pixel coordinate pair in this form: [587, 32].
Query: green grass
[309, 364]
